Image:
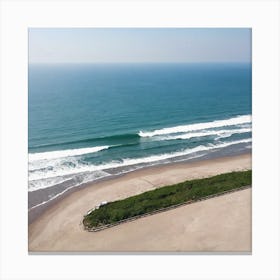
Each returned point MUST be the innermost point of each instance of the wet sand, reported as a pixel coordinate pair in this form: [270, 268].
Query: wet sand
[216, 225]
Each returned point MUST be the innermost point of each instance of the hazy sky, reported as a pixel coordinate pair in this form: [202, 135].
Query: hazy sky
[79, 45]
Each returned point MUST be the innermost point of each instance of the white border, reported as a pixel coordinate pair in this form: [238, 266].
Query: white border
[261, 16]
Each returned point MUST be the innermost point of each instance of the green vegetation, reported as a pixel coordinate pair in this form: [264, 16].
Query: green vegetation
[165, 197]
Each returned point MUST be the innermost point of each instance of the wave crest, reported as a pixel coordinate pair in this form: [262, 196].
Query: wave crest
[219, 133]
[81, 168]
[197, 126]
[65, 153]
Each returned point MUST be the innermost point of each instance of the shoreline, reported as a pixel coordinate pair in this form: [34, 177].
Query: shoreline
[37, 211]
[64, 231]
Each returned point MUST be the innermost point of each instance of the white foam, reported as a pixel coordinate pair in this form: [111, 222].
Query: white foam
[65, 153]
[86, 179]
[227, 133]
[53, 163]
[52, 198]
[81, 168]
[198, 126]
[220, 133]
[46, 183]
[34, 185]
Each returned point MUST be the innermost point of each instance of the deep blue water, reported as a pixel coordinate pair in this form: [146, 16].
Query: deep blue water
[87, 121]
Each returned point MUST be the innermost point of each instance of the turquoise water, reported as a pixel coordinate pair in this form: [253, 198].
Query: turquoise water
[90, 121]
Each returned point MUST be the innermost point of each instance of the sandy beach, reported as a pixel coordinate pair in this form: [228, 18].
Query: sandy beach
[219, 224]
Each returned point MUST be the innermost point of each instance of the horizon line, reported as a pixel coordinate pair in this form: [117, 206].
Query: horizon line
[147, 62]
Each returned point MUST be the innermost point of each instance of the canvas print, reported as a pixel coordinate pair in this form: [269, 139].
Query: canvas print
[139, 140]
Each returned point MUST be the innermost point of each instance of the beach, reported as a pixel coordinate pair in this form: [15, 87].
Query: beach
[220, 224]
[94, 122]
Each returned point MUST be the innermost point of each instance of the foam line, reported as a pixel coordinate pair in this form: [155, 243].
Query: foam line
[197, 126]
[219, 133]
[63, 171]
[65, 153]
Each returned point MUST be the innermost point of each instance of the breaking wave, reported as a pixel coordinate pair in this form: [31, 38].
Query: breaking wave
[65, 153]
[82, 168]
[197, 126]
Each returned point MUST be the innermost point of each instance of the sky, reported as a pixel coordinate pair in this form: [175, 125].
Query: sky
[139, 45]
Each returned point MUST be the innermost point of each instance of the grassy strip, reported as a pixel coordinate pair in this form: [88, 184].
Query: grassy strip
[165, 197]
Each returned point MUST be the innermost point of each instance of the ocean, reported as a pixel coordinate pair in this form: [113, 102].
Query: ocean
[88, 122]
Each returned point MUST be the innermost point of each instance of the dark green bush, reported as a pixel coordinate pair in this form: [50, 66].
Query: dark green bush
[166, 196]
